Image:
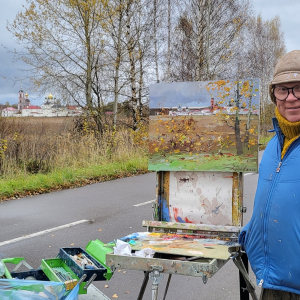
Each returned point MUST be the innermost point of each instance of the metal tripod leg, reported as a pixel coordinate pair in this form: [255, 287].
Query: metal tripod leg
[250, 286]
[144, 285]
[156, 277]
[167, 286]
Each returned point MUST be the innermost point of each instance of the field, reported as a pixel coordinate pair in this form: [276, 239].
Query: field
[42, 154]
[203, 143]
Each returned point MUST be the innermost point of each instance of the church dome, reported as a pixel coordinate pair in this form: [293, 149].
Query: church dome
[50, 96]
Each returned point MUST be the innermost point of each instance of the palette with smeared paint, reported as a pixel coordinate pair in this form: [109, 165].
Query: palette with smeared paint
[186, 245]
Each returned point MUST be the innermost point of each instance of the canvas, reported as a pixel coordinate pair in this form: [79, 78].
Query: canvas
[204, 126]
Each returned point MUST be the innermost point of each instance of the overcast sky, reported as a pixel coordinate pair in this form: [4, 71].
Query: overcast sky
[287, 10]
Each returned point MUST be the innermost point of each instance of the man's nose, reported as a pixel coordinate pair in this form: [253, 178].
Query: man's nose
[291, 96]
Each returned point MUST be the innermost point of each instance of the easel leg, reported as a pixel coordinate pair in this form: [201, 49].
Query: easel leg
[244, 294]
[156, 277]
[250, 287]
[144, 285]
[167, 286]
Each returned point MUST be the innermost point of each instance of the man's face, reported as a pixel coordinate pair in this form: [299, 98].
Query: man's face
[290, 107]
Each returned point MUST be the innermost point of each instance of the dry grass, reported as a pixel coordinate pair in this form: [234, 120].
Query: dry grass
[44, 145]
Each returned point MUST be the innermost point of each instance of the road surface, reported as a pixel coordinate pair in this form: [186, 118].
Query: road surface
[36, 227]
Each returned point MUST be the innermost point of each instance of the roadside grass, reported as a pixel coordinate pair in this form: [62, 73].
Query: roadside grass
[27, 185]
[39, 156]
[264, 140]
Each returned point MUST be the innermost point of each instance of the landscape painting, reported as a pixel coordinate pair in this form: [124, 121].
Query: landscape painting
[204, 126]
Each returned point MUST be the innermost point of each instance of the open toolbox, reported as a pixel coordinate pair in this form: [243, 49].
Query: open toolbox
[95, 253]
[44, 273]
[69, 255]
[56, 270]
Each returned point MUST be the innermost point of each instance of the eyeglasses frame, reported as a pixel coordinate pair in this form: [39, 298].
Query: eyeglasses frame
[291, 88]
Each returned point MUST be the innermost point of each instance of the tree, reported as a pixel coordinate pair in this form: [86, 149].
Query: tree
[205, 37]
[261, 45]
[63, 46]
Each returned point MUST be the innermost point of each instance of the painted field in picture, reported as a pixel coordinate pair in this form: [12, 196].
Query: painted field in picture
[204, 126]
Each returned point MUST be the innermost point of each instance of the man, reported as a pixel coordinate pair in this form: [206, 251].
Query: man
[272, 237]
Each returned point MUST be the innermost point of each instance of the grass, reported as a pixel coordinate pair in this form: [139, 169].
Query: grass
[264, 140]
[195, 162]
[24, 185]
[42, 155]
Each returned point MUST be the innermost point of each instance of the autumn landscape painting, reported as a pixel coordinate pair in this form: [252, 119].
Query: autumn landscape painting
[204, 126]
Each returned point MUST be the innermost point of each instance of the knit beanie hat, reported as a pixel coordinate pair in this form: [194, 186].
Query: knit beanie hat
[286, 70]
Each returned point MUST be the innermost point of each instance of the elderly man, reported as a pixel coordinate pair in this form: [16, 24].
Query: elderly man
[272, 237]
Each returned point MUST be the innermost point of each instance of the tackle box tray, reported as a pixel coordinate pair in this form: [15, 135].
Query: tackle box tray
[65, 255]
[49, 266]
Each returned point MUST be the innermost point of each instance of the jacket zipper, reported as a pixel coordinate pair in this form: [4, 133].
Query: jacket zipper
[268, 211]
[278, 168]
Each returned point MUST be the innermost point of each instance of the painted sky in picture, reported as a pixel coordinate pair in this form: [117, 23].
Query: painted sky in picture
[204, 126]
[191, 94]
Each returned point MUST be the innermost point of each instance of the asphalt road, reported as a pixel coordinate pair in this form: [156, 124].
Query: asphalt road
[109, 210]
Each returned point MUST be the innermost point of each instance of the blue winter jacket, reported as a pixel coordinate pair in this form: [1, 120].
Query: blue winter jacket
[272, 236]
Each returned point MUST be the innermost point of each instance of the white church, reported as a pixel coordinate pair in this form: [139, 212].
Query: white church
[50, 108]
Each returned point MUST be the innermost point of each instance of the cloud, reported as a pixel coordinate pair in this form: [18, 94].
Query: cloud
[289, 18]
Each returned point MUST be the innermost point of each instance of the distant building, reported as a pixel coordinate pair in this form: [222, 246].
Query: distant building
[9, 112]
[50, 108]
[23, 100]
[32, 111]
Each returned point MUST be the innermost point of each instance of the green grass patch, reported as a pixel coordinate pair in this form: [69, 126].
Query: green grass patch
[27, 185]
[264, 140]
[200, 162]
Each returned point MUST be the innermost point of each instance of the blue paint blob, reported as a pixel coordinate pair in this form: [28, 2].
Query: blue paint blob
[180, 220]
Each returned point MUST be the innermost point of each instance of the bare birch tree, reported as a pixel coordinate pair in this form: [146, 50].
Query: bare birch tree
[205, 36]
[261, 45]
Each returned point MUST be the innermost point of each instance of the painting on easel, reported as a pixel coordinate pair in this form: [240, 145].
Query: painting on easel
[204, 126]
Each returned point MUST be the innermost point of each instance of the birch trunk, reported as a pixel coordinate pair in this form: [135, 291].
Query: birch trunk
[132, 72]
[117, 64]
[155, 39]
[169, 42]
[200, 40]
[88, 83]
[237, 129]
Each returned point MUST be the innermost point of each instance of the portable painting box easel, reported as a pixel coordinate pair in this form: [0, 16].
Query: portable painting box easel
[199, 185]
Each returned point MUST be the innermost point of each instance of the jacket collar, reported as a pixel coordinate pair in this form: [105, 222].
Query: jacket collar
[278, 131]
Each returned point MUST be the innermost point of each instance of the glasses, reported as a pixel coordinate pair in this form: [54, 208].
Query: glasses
[281, 92]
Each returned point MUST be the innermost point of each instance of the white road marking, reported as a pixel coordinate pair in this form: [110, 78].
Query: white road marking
[24, 237]
[250, 174]
[144, 203]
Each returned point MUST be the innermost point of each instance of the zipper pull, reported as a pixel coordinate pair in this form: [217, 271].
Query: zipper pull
[278, 168]
[261, 283]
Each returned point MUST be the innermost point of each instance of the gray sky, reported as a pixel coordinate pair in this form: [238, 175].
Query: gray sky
[287, 10]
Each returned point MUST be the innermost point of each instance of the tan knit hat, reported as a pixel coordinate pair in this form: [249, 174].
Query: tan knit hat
[286, 70]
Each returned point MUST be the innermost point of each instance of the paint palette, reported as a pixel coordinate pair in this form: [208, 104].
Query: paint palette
[181, 244]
